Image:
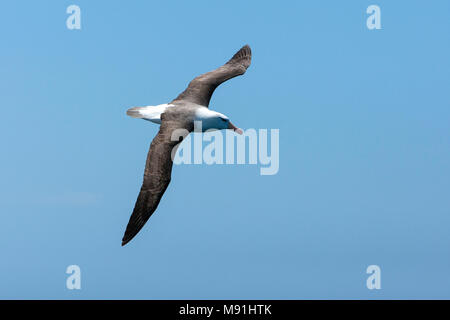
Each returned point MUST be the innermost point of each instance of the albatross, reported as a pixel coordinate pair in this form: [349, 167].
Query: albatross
[190, 106]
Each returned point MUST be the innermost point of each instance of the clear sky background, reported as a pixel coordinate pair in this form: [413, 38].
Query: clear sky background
[364, 150]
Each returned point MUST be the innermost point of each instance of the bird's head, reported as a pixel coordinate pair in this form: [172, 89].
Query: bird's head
[215, 120]
[225, 123]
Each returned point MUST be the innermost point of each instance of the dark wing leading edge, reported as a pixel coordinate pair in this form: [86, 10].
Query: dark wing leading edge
[201, 88]
[157, 175]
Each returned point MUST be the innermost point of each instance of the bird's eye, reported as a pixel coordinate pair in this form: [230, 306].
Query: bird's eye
[223, 119]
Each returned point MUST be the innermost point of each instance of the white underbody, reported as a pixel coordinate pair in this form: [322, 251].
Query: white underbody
[209, 118]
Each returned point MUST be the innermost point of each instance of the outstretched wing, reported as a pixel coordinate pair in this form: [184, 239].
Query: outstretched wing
[157, 175]
[201, 88]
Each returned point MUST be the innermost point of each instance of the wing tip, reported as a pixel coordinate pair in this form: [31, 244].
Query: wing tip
[126, 240]
[243, 56]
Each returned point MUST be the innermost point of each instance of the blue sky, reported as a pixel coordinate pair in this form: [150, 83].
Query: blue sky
[364, 160]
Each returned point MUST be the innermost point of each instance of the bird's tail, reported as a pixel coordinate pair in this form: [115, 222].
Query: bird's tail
[136, 112]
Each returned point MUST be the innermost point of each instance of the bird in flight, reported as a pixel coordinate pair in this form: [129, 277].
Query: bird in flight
[190, 106]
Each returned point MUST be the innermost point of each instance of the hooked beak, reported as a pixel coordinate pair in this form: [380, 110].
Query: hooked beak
[234, 128]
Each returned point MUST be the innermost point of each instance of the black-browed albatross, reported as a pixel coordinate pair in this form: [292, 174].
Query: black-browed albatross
[191, 105]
